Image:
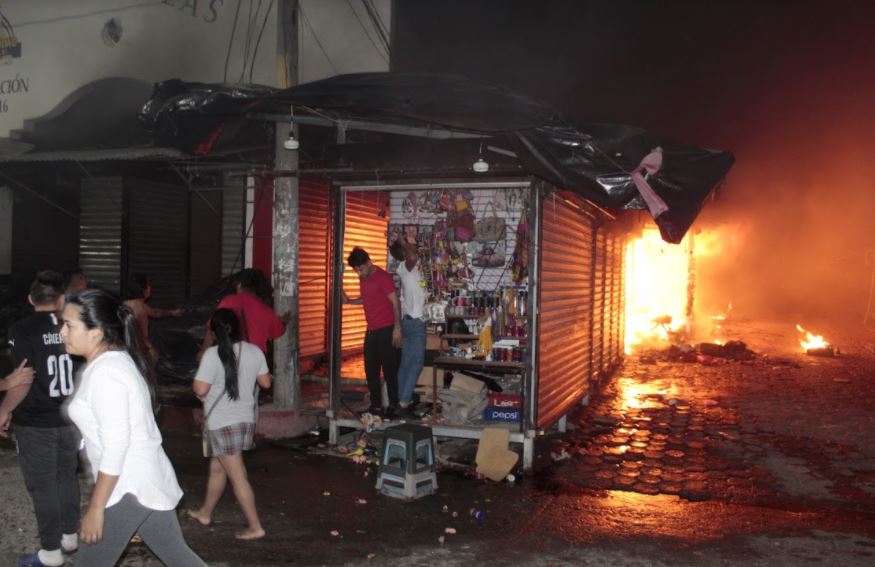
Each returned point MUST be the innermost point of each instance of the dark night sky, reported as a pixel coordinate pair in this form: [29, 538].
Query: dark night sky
[788, 87]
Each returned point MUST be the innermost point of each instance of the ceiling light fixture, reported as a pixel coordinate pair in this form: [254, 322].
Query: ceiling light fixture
[480, 166]
[291, 143]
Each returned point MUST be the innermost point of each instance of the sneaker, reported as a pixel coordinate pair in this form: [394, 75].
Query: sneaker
[31, 560]
[390, 413]
[407, 413]
[68, 552]
[375, 411]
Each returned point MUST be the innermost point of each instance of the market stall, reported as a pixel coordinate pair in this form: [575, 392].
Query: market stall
[479, 247]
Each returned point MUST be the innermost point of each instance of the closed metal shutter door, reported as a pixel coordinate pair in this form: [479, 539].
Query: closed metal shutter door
[598, 308]
[564, 319]
[158, 238]
[614, 303]
[314, 238]
[100, 231]
[205, 230]
[233, 229]
[367, 226]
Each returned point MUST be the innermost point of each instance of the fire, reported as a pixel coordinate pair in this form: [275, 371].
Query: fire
[811, 341]
[661, 285]
[657, 288]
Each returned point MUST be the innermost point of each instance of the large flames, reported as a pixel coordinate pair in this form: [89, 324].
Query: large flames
[660, 287]
[657, 288]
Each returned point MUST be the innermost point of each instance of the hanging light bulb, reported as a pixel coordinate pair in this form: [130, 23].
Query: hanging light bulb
[291, 143]
[481, 165]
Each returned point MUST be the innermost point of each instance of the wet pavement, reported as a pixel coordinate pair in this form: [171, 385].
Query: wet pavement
[769, 461]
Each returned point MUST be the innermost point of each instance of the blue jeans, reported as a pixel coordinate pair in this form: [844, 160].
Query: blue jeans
[412, 357]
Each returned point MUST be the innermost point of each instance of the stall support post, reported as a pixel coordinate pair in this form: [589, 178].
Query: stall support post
[287, 383]
[529, 450]
[335, 320]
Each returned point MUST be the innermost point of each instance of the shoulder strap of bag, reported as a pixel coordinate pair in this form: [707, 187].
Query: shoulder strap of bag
[494, 211]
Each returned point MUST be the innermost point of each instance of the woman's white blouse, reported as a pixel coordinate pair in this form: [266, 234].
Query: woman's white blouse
[113, 411]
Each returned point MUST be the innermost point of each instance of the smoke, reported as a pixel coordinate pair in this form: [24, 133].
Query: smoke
[799, 200]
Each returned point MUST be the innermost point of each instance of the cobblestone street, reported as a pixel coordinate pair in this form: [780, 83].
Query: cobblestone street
[766, 461]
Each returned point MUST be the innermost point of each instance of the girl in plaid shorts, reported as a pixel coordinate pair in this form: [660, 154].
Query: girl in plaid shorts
[227, 382]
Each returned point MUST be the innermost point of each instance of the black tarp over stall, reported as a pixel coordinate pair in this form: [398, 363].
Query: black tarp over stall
[597, 161]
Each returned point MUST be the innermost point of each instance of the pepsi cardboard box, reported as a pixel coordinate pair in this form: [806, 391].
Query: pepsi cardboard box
[492, 413]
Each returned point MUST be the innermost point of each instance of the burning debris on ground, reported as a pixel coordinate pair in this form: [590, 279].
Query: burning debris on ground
[702, 353]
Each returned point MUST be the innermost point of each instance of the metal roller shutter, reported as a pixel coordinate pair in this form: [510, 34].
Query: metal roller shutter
[233, 226]
[314, 237]
[366, 226]
[158, 238]
[100, 231]
[614, 309]
[564, 319]
[598, 308]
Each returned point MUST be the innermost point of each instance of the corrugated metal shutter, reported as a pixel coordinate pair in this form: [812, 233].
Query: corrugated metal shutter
[158, 238]
[233, 227]
[204, 229]
[614, 300]
[565, 315]
[100, 231]
[366, 226]
[314, 238]
[598, 308]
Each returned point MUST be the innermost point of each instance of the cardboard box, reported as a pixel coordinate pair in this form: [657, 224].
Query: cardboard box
[505, 401]
[432, 341]
[492, 413]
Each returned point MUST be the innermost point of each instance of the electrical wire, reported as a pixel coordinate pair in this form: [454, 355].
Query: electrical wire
[367, 33]
[374, 16]
[248, 38]
[231, 43]
[316, 37]
[258, 41]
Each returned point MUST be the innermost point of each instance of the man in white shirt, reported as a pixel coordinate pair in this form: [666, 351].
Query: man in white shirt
[413, 332]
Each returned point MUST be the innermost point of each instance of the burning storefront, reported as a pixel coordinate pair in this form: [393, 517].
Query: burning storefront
[548, 279]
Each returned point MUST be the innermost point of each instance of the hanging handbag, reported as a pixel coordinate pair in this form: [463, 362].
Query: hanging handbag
[462, 224]
[490, 228]
[491, 255]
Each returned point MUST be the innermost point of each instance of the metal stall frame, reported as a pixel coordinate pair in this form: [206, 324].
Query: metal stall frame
[526, 434]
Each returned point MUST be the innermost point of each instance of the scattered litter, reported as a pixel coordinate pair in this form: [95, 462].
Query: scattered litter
[326, 493]
[455, 514]
[445, 509]
[335, 533]
[559, 455]
[510, 478]
[441, 540]
[371, 555]
[450, 530]
[361, 501]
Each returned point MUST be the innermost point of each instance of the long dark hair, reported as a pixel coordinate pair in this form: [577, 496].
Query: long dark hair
[100, 310]
[226, 328]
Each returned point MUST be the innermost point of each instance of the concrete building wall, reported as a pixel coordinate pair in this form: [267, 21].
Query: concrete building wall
[52, 47]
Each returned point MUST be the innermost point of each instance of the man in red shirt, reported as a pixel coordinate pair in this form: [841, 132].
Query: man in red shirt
[383, 337]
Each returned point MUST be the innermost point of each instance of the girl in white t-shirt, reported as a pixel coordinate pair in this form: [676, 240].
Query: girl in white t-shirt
[135, 489]
[226, 382]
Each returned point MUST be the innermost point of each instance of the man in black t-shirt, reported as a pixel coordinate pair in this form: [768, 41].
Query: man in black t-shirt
[48, 443]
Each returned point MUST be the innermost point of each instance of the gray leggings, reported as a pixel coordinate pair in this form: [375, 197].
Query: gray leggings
[159, 529]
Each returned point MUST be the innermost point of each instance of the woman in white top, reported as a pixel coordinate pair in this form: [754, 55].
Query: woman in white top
[227, 382]
[135, 488]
